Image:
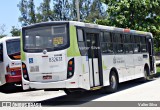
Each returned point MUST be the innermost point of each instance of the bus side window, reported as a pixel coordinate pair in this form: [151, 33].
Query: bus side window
[106, 43]
[143, 44]
[80, 35]
[118, 43]
[128, 45]
[81, 42]
[1, 53]
[137, 44]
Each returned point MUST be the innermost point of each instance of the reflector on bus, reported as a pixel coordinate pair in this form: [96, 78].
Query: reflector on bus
[126, 30]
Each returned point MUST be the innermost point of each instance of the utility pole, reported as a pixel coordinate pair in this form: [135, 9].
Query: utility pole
[77, 6]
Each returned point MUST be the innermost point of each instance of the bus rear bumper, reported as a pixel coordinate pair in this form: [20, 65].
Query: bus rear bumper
[13, 79]
[50, 85]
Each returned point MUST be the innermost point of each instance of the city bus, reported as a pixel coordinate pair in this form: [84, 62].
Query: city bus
[10, 64]
[76, 56]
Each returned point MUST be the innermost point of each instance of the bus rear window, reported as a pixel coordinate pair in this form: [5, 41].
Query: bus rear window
[47, 37]
[13, 49]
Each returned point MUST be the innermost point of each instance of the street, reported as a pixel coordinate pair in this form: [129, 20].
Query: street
[135, 90]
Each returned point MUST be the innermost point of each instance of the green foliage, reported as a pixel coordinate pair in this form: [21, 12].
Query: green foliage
[96, 11]
[61, 10]
[15, 31]
[134, 14]
[23, 7]
[44, 12]
[158, 70]
[143, 15]
[31, 9]
[140, 15]
[1, 36]
[84, 8]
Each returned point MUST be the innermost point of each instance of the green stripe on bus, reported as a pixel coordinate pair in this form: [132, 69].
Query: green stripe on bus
[104, 66]
[83, 68]
[23, 56]
[73, 50]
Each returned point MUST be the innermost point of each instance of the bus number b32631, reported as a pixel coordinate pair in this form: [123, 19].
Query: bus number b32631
[55, 59]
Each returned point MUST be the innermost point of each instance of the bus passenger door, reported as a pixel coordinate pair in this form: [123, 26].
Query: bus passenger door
[150, 51]
[94, 59]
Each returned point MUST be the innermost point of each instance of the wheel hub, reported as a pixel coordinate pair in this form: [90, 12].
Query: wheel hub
[113, 82]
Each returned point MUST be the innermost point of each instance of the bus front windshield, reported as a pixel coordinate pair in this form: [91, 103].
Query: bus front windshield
[13, 49]
[48, 37]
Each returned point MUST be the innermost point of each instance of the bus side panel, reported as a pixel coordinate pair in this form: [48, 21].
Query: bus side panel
[2, 73]
[23, 55]
[119, 61]
[130, 67]
[83, 68]
[139, 65]
[109, 62]
[3, 67]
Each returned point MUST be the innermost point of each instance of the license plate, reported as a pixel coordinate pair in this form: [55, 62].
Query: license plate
[47, 77]
[34, 69]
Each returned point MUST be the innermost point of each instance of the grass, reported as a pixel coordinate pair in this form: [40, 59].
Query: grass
[158, 70]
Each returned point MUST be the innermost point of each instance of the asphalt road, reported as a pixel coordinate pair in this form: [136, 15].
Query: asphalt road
[135, 90]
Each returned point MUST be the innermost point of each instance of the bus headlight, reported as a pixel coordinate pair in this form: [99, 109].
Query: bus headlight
[70, 69]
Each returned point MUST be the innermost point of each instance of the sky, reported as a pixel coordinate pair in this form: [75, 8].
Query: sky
[9, 14]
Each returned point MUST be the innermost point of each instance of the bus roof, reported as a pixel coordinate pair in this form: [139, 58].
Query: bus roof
[8, 38]
[101, 27]
[110, 28]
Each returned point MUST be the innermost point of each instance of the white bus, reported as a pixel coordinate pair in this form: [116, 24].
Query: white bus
[10, 64]
[81, 56]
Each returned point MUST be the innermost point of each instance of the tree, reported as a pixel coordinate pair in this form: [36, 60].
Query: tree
[96, 11]
[85, 8]
[73, 14]
[44, 12]
[134, 14]
[31, 13]
[23, 7]
[140, 15]
[2, 30]
[15, 31]
[61, 9]
[90, 10]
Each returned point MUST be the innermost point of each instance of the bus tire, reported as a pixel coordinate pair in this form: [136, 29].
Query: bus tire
[113, 80]
[73, 92]
[146, 74]
[67, 91]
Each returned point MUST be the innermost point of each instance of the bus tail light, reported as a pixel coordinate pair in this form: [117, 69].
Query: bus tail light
[10, 71]
[25, 72]
[70, 69]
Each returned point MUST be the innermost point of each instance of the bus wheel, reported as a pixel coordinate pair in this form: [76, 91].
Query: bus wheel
[67, 91]
[146, 74]
[73, 92]
[113, 80]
